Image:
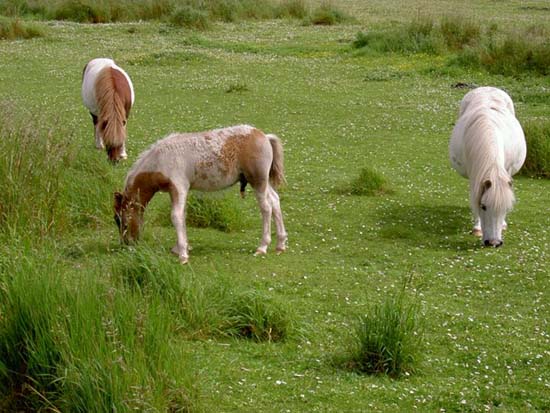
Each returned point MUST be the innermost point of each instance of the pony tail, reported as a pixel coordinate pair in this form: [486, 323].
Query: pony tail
[277, 170]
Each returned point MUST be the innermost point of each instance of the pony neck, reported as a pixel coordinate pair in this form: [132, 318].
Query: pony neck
[141, 190]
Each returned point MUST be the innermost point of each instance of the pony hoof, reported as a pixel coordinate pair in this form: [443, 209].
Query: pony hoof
[280, 250]
[260, 251]
[184, 260]
[477, 232]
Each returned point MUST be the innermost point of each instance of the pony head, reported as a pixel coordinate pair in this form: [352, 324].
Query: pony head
[495, 201]
[128, 217]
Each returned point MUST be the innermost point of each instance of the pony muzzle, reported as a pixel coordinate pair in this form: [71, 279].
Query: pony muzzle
[493, 243]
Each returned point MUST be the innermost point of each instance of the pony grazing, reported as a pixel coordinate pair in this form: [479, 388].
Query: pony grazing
[108, 94]
[488, 147]
[206, 161]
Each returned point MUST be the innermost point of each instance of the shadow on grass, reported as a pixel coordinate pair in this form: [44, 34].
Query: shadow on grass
[436, 227]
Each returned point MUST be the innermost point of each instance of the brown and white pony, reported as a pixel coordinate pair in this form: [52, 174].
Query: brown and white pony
[108, 93]
[205, 161]
[488, 147]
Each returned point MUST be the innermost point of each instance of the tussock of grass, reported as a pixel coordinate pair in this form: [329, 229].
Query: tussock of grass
[537, 136]
[292, 9]
[258, 318]
[369, 182]
[210, 211]
[190, 17]
[14, 28]
[387, 339]
[236, 88]
[326, 15]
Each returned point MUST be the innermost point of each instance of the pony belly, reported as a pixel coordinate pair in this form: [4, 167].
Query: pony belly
[214, 180]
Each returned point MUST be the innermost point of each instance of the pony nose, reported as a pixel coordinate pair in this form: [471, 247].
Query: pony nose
[493, 243]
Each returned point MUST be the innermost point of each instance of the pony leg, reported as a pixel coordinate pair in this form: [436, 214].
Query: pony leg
[98, 138]
[282, 235]
[265, 207]
[477, 227]
[178, 220]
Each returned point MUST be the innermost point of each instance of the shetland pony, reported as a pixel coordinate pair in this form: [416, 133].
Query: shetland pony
[205, 161]
[108, 94]
[488, 147]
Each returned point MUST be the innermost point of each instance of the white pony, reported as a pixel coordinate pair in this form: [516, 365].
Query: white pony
[488, 147]
[206, 161]
[108, 93]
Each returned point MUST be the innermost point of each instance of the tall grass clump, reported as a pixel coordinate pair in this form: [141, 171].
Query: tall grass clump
[326, 14]
[369, 182]
[190, 17]
[73, 344]
[387, 339]
[296, 9]
[32, 166]
[15, 28]
[211, 211]
[259, 318]
[537, 136]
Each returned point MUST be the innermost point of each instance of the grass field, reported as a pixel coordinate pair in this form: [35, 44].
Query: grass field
[159, 336]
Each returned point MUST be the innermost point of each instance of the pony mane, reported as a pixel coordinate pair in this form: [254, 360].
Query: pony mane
[484, 154]
[114, 100]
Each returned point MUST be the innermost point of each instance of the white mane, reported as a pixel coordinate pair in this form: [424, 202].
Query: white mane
[487, 160]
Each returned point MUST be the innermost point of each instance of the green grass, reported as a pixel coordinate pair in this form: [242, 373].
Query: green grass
[231, 331]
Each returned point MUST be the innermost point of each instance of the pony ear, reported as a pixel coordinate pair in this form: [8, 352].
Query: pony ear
[118, 198]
